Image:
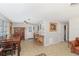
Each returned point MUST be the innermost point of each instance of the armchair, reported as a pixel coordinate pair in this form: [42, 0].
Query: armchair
[74, 46]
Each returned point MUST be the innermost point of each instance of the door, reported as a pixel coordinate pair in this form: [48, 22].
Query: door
[65, 33]
[21, 31]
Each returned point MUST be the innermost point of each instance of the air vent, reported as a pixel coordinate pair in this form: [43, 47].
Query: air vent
[74, 4]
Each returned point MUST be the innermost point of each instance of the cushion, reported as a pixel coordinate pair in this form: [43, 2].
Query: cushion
[76, 48]
[77, 39]
[76, 43]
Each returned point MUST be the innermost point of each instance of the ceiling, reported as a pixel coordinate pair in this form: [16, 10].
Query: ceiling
[39, 11]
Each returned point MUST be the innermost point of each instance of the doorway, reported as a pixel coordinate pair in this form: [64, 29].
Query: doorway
[20, 30]
[65, 35]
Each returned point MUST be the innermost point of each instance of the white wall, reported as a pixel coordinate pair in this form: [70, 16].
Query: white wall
[53, 37]
[35, 28]
[73, 28]
[19, 24]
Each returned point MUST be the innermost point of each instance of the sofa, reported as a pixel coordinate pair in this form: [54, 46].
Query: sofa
[74, 45]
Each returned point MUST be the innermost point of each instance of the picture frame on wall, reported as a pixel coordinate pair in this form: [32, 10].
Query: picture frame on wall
[52, 27]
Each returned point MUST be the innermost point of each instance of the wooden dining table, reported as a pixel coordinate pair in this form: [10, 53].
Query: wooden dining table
[15, 40]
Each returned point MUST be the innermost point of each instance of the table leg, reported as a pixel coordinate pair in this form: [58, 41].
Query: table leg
[18, 50]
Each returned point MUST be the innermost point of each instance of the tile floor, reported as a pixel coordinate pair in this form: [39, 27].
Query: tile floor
[29, 48]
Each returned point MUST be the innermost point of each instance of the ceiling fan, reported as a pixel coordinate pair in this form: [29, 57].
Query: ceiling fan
[27, 22]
